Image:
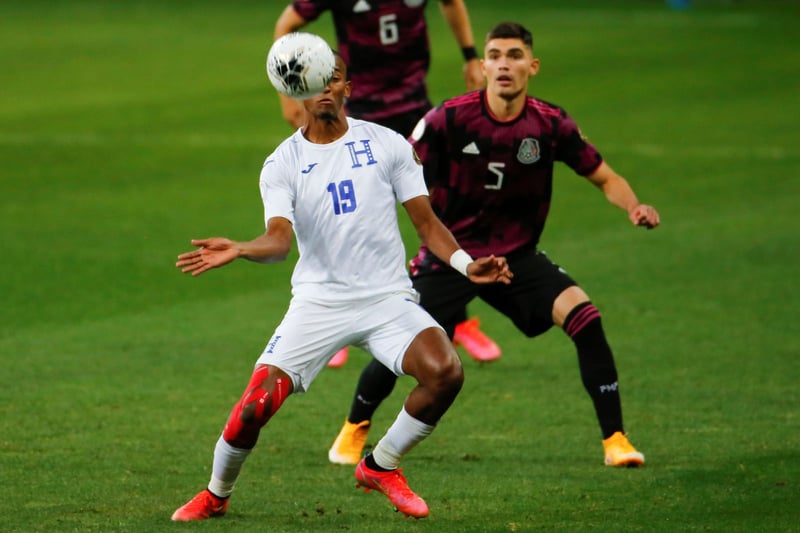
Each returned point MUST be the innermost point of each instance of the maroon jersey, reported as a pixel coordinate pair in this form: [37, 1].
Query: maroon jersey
[491, 181]
[385, 45]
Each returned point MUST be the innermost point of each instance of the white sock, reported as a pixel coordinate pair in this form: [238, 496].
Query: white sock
[228, 463]
[405, 433]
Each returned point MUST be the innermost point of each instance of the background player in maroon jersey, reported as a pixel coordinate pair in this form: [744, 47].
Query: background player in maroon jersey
[386, 44]
[488, 158]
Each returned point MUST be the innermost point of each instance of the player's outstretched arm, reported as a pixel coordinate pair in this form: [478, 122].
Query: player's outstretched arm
[215, 252]
[441, 242]
[619, 192]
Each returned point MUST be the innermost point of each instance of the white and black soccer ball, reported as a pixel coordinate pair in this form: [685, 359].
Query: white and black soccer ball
[300, 65]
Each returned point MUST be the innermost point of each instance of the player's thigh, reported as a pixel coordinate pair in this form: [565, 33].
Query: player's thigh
[389, 326]
[445, 295]
[528, 300]
[306, 339]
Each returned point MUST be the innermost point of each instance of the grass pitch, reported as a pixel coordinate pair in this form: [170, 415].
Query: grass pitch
[127, 128]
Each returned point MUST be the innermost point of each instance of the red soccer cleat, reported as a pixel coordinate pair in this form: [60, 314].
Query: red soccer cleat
[469, 335]
[204, 505]
[338, 359]
[394, 485]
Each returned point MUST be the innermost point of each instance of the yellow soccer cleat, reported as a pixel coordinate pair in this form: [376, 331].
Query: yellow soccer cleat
[349, 443]
[620, 452]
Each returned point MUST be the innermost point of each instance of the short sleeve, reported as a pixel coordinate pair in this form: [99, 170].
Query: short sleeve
[428, 142]
[277, 191]
[407, 178]
[574, 149]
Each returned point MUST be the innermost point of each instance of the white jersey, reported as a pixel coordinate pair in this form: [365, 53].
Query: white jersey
[341, 199]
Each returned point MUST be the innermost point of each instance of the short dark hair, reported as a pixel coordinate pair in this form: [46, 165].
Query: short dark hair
[511, 30]
[346, 66]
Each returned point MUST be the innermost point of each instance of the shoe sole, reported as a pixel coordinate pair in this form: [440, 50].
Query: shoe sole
[396, 510]
[337, 459]
[214, 514]
[628, 462]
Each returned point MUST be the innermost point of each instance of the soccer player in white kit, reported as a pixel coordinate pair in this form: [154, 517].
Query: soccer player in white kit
[334, 184]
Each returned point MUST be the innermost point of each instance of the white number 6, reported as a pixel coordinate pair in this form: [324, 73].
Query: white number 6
[389, 32]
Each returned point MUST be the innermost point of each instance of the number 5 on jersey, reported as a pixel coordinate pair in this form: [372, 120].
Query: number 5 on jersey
[496, 169]
[343, 197]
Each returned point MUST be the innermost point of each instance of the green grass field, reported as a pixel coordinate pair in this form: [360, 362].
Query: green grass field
[127, 128]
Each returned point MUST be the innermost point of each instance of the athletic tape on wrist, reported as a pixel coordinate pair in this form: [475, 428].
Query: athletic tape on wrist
[460, 260]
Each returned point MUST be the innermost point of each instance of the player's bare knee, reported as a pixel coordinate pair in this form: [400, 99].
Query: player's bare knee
[453, 378]
[444, 375]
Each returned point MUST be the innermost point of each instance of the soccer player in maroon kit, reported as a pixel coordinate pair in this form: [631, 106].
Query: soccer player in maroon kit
[386, 45]
[488, 158]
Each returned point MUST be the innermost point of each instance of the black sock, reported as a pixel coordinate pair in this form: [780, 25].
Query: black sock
[374, 385]
[596, 362]
[372, 465]
[217, 497]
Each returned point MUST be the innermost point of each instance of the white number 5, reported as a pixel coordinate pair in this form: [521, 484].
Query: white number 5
[497, 170]
[389, 32]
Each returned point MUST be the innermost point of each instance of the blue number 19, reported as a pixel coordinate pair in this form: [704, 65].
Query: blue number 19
[343, 197]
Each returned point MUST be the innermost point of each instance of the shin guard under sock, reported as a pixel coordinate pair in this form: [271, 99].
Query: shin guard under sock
[228, 462]
[596, 362]
[405, 433]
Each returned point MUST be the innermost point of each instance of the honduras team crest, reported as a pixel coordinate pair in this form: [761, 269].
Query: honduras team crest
[528, 151]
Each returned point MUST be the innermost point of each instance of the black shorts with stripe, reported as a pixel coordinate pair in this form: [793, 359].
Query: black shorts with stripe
[527, 301]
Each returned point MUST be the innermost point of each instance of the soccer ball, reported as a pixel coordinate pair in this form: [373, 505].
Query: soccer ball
[300, 65]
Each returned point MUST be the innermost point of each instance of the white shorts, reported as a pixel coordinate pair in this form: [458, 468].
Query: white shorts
[311, 333]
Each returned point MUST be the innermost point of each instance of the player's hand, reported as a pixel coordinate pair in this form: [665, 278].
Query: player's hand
[214, 252]
[473, 77]
[490, 269]
[644, 215]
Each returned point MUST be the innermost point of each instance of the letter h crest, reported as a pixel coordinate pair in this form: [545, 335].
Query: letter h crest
[366, 151]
